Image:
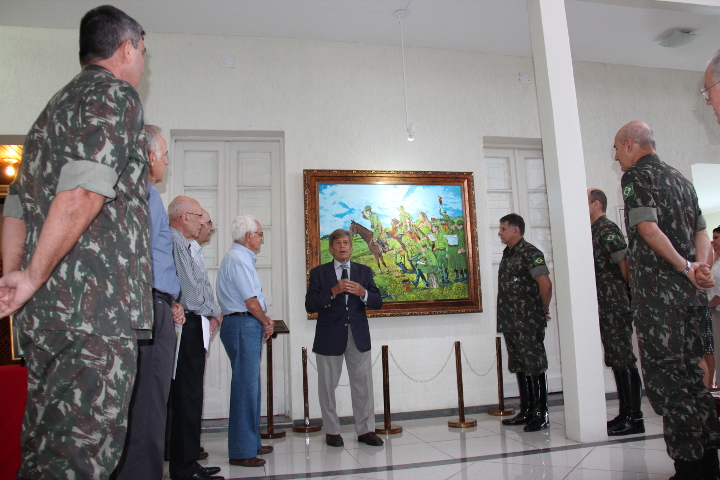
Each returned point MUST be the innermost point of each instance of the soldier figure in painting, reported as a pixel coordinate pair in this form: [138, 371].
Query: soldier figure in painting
[523, 302]
[376, 226]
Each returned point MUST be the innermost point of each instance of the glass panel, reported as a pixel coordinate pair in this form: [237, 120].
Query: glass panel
[539, 211]
[535, 173]
[496, 246]
[256, 202]
[497, 173]
[200, 168]
[254, 169]
[265, 274]
[542, 239]
[499, 204]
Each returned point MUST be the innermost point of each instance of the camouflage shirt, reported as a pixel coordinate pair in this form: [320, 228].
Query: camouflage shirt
[655, 192]
[90, 135]
[519, 306]
[609, 247]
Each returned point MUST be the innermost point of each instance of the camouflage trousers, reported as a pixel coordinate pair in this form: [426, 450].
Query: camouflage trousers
[79, 389]
[526, 351]
[671, 346]
[616, 333]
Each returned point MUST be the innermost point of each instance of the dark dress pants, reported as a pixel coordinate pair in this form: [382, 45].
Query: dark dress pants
[186, 395]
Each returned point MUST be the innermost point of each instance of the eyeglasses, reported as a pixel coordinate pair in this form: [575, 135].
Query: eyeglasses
[196, 214]
[260, 234]
[209, 222]
[706, 91]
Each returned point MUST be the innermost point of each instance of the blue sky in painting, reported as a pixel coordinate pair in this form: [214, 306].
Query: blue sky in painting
[340, 203]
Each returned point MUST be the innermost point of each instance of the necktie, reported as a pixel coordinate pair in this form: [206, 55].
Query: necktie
[344, 276]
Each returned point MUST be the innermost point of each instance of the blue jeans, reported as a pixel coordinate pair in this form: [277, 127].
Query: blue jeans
[242, 337]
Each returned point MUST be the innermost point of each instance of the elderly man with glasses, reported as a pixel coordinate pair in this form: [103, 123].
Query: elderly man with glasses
[197, 298]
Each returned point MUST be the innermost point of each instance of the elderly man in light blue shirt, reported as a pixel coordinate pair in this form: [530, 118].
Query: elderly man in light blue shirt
[244, 329]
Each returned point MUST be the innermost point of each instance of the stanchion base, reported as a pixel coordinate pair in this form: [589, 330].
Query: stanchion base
[307, 428]
[499, 413]
[392, 430]
[276, 434]
[469, 422]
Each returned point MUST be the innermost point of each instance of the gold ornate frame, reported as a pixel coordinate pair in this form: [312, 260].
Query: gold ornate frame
[312, 179]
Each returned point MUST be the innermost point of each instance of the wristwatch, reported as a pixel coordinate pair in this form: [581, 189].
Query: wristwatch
[687, 268]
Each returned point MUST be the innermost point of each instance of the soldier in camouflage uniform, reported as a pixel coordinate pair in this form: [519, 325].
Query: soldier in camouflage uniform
[461, 260]
[76, 251]
[667, 254]
[426, 263]
[523, 302]
[613, 295]
[441, 248]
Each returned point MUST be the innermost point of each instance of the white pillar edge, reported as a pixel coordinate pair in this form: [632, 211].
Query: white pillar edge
[574, 288]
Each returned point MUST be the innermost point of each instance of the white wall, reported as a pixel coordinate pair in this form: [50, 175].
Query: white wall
[341, 106]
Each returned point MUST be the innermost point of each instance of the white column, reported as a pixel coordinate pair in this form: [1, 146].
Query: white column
[580, 346]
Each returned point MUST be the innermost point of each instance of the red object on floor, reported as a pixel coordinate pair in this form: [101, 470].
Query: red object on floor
[13, 394]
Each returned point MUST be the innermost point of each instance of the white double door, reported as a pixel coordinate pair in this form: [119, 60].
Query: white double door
[231, 178]
[515, 181]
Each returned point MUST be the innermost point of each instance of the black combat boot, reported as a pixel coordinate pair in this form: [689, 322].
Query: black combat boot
[623, 407]
[687, 470]
[527, 403]
[540, 419]
[632, 422]
[711, 465]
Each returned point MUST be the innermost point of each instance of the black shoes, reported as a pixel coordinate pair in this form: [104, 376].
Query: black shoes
[541, 419]
[334, 440]
[527, 402]
[371, 438]
[630, 420]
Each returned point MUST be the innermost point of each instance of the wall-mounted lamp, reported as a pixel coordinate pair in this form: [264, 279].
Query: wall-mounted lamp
[10, 163]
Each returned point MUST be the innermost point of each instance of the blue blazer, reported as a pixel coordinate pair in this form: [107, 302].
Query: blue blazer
[334, 316]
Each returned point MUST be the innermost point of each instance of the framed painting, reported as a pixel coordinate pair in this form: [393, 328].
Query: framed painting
[415, 230]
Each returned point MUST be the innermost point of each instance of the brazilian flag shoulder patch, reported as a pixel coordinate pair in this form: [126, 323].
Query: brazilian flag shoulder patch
[537, 261]
[628, 191]
[610, 238]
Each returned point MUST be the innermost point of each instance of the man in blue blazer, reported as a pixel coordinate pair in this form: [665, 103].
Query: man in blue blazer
[340, 291]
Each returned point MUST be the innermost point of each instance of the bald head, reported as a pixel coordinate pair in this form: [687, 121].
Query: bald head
[185, 215]
[632, 142]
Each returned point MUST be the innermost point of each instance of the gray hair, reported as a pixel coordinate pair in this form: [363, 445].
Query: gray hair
[241, 226]
[103, 30]
[179, 206]
[152, 133]
[714, 66]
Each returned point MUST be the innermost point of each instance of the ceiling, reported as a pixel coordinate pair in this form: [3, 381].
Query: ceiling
[622, 32]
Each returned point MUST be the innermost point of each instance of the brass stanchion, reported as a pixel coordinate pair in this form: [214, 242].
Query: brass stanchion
[388, 428]
[306, 428]
[270, 432]
[501, 410]
[462, 422]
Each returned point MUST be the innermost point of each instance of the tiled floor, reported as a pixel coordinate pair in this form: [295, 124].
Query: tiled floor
[428, 449]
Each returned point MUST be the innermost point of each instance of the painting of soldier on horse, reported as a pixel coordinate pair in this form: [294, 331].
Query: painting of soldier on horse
[411, 236]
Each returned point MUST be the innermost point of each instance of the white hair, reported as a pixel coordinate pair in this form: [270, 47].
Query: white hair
[153, 139]
[241, 226]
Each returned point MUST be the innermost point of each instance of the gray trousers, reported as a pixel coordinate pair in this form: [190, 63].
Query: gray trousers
[145, 441]
[359, 367]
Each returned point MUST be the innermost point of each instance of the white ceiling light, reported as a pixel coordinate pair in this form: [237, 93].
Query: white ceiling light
[678, 38]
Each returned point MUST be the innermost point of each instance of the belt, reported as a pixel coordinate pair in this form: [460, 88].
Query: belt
[163, 296]
[239, 313]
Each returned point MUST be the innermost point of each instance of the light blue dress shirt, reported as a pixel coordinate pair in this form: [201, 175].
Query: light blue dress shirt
[165, 277]
[238, 280]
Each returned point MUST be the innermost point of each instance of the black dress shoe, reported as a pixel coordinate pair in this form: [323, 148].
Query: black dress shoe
[371, 438]
[334, 440]
[210, 470]
[202, 476]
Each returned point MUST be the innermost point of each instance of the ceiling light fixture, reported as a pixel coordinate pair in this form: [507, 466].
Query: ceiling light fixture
[678, 38]
[400, 15]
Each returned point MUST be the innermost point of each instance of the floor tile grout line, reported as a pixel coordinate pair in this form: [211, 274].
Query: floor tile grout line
[453, 461]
